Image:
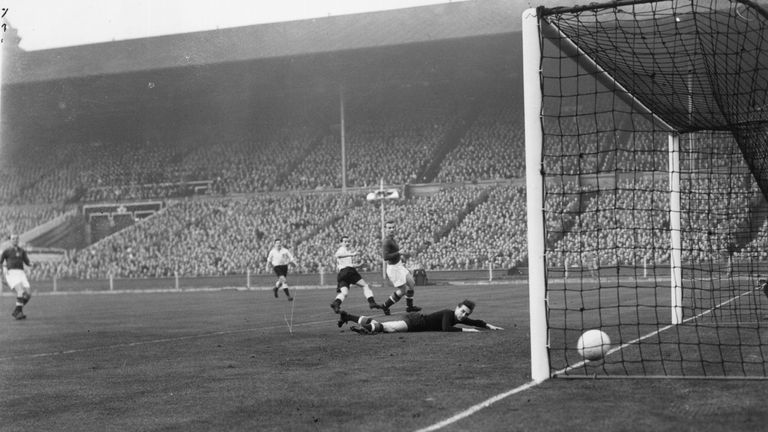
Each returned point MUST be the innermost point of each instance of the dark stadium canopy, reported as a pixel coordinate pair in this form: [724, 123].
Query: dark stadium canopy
[269, 41]
[474, 41]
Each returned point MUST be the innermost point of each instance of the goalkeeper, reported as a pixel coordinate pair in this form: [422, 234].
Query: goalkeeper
[443, 320]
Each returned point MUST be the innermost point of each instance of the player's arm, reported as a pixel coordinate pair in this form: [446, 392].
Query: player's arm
[4, 263]
[479, 324]
[448, 322]
[25, 259]
[345, 253]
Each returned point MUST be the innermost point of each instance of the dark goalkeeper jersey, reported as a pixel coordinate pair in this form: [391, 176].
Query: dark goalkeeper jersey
[15, 258]
[444, 320]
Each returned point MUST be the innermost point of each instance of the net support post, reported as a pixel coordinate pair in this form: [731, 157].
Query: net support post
[535, 195]
[676, 246]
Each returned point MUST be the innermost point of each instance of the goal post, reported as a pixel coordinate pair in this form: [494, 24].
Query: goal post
[535, 197]
[646, 128]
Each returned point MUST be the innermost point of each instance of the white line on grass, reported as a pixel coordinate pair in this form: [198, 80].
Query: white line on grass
[488, 402]
[473, 409]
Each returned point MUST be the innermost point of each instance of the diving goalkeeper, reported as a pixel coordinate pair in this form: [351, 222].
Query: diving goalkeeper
[443, 320]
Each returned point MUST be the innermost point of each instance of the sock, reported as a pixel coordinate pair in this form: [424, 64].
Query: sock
[371, 301]
[409, 298]
[285, 290]
[342, 294]
[350, 317]
[394, 298]
[337, 302]
[25, 298]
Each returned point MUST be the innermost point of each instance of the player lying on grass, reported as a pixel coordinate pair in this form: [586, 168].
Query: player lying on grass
[764, 286]
[443, 320]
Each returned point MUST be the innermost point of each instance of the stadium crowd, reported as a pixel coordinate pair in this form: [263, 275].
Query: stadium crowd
[281, 177]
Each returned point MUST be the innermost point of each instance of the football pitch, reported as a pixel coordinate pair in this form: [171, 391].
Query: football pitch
[243, 360]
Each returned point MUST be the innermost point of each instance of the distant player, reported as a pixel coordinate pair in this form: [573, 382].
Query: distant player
[348, 275]
[397, 273]
[279, 258]
[443, 320]
[13, 260]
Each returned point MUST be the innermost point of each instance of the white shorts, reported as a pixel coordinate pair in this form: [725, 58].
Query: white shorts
[397, 274]
[17, 277]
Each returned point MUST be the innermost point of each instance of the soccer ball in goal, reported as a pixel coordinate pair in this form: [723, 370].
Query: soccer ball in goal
[593, 344]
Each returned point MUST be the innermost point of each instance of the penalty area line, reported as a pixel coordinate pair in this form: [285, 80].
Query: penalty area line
[473, 409]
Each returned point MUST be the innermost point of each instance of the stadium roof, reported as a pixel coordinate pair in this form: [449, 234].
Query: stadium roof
[433, 23]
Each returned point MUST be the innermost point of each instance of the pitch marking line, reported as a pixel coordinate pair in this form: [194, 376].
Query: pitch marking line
[473, 409]
[488, 402]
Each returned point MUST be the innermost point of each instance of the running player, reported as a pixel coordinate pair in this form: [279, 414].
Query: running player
[348, 275]
[13, 260]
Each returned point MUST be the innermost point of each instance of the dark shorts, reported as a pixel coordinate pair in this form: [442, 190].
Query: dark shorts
[281, 270]
[346, 277]
[415, 322]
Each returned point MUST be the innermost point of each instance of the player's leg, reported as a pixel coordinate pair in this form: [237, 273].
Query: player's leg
[341, 295]
[18, 282]
[399, 326]
[278, 283]
[397, 274]
[368, 293]
[18, 312]
[368, 324]
[393, 298]
[409, 291]
[284, 284]
[345, 317]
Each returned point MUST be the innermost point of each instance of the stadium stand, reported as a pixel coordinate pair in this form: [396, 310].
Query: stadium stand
[242, 150]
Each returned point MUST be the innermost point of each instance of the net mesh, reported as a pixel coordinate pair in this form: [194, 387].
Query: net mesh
[617, 80]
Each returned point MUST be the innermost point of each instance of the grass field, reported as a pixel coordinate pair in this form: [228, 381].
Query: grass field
[227, 360]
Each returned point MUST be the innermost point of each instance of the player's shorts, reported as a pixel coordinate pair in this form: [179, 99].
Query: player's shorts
[397, 274]
[415, 322]
[281, 270]
[346, 277]
[17, 277]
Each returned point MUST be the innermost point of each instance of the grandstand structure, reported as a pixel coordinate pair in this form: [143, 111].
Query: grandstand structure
[150, 153]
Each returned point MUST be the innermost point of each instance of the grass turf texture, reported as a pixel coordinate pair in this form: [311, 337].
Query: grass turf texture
[225, 360]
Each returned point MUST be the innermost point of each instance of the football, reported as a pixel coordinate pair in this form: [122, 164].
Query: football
[593, 344]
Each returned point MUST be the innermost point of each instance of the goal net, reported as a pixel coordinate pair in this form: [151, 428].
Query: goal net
[647, 177]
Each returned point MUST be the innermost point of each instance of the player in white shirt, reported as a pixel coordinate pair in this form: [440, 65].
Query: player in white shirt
[279, 258]
[348, 275]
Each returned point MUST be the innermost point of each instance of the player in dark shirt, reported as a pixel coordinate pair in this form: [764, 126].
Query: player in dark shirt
[13, 260]
[397, 273]
[443, 320]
